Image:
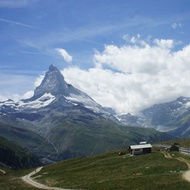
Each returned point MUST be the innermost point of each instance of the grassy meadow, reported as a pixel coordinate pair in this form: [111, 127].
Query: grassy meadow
[11, 180]
[111, 171]
[108, 171]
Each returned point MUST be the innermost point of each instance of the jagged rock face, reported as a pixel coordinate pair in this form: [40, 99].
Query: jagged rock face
[54, 91]
[53, 83]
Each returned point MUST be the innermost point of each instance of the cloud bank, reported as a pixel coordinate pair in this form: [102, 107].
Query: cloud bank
[128, 78]
[135, 75]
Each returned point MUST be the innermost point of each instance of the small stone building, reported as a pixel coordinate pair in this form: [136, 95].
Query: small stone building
[142, 148]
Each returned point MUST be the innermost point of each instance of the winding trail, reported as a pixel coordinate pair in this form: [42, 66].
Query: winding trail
[28, 179]
[186, 174]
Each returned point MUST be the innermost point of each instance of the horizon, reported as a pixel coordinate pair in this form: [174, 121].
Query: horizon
[126, 55]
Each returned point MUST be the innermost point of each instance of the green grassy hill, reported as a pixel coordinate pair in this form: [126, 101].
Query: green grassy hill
[11, 180]
[108, 171]
[111, 171]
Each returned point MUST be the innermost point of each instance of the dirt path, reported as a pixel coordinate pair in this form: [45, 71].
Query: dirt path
[185, 175]
[167, 155]
[2, 171]
[28, 179]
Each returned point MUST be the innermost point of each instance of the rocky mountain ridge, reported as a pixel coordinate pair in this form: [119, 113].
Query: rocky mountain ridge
[172, 117]
[54, 89]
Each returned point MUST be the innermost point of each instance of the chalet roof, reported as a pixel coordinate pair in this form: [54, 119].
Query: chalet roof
[140, 146]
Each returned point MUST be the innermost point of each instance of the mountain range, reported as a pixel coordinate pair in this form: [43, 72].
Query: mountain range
[171, 117]
[59, 121]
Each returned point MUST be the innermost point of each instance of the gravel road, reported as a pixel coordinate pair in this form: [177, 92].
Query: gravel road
[28, 179]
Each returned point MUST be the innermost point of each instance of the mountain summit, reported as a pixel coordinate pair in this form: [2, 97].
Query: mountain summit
[53, 93]
[53, 83]
[61, 93]
[54, 89]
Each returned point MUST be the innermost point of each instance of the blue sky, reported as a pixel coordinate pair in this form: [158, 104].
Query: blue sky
[94, 39]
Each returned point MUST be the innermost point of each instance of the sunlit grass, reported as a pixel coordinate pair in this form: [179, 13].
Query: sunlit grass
[110, 171]
[106, 172]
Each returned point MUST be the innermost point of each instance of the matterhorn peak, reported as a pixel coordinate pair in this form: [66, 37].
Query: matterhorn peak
[53, 83]
[53, 68]
[55, 93]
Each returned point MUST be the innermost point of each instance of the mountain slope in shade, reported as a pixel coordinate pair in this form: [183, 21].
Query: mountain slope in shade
[69, 120]
[172, 117]
[11, 155]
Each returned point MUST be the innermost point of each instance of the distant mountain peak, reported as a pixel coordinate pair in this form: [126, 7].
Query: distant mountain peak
[55, 92]
[53, 83]
[183, 99]
[53, 68]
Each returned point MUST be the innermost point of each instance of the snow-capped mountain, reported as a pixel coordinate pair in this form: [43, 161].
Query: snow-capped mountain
[59, 121]
[173, 117]
[55, 93]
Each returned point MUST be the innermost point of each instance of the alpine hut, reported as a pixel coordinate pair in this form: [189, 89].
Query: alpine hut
[142, 148]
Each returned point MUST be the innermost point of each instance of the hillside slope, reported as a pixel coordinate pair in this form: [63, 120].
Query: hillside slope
[111, 171]
[97, 136]
[15, 157]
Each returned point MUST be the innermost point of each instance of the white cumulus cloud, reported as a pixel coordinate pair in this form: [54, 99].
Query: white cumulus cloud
[134, 76]
[64, 54]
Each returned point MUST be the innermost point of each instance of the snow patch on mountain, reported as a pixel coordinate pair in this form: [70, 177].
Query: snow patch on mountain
[86, 101]
[9, 102]
[43, 101]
